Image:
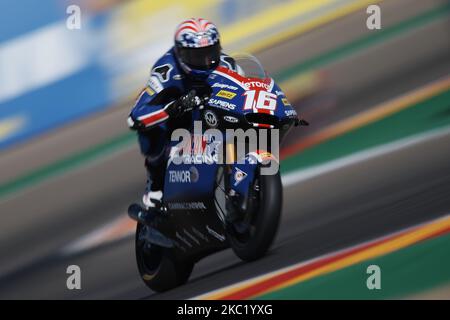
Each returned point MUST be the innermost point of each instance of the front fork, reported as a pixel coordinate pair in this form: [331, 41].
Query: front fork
[242, 175]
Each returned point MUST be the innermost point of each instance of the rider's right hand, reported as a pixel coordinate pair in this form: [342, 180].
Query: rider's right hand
[183, 104]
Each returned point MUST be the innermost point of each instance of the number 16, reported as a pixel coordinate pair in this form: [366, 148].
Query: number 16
[260, 100]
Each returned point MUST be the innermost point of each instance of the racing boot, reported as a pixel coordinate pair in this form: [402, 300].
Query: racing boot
[153, 194]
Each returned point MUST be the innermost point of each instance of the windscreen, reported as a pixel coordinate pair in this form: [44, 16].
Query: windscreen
[249, 66]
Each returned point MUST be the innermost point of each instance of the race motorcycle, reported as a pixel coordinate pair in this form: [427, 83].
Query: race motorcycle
[210, 205]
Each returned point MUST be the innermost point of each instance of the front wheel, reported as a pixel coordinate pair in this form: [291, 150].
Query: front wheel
[251, 235]
[157, 266]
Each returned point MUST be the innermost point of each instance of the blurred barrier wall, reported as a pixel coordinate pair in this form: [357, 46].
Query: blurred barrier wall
[50, 75]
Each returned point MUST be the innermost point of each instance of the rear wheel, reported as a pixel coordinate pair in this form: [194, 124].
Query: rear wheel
[157, 266]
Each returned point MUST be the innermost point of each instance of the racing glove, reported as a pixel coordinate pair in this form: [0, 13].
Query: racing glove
[185, 103]
[175, 109]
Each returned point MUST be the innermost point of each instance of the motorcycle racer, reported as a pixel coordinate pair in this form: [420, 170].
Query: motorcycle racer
[176, 82]
[240, 200]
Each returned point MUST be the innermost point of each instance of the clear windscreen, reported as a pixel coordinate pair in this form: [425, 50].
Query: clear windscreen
[249, 66]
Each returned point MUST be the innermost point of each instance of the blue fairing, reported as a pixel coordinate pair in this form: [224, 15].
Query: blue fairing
[229, 93]
[242, 177]
[227, 101]
[182, 179]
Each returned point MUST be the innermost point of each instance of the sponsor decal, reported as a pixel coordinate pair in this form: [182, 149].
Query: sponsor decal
[257, 84]
[265, 156]
[196, 158]
[226, 94]
[224, 86]
[285, 102]
[231, 119]
[290, 113]
[155, 84]
[260, 100]
[179, 176]
[149, 91]
[239, 175]
[279, 93]
[200, 149]
[186, 206]
[222, 104]
[261, 157]
[194, 174]
[215, 234]
[210, 118]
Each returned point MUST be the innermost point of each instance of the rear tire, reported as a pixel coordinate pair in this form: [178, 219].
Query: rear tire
[264, 223]
[157, 266]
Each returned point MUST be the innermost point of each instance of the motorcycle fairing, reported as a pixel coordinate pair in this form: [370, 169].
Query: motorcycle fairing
[191, 220]
[189, 199]
[243, 174]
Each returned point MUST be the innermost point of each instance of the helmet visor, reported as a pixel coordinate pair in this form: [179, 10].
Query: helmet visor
[201, 58]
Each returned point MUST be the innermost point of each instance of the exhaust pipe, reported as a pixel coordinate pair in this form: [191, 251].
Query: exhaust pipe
[139, 214]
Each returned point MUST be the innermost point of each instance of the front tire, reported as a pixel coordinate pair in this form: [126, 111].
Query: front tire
[263, 222]
[157, 266]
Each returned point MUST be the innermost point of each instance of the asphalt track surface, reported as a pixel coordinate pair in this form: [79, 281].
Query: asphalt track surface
[363, 201]
[322, 214]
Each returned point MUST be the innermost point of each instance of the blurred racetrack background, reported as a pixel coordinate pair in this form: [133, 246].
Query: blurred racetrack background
[375, 161]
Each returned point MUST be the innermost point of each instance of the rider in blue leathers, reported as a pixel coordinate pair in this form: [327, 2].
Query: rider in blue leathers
[177, 81]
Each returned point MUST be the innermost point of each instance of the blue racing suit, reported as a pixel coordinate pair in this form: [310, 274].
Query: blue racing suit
[166, 84]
